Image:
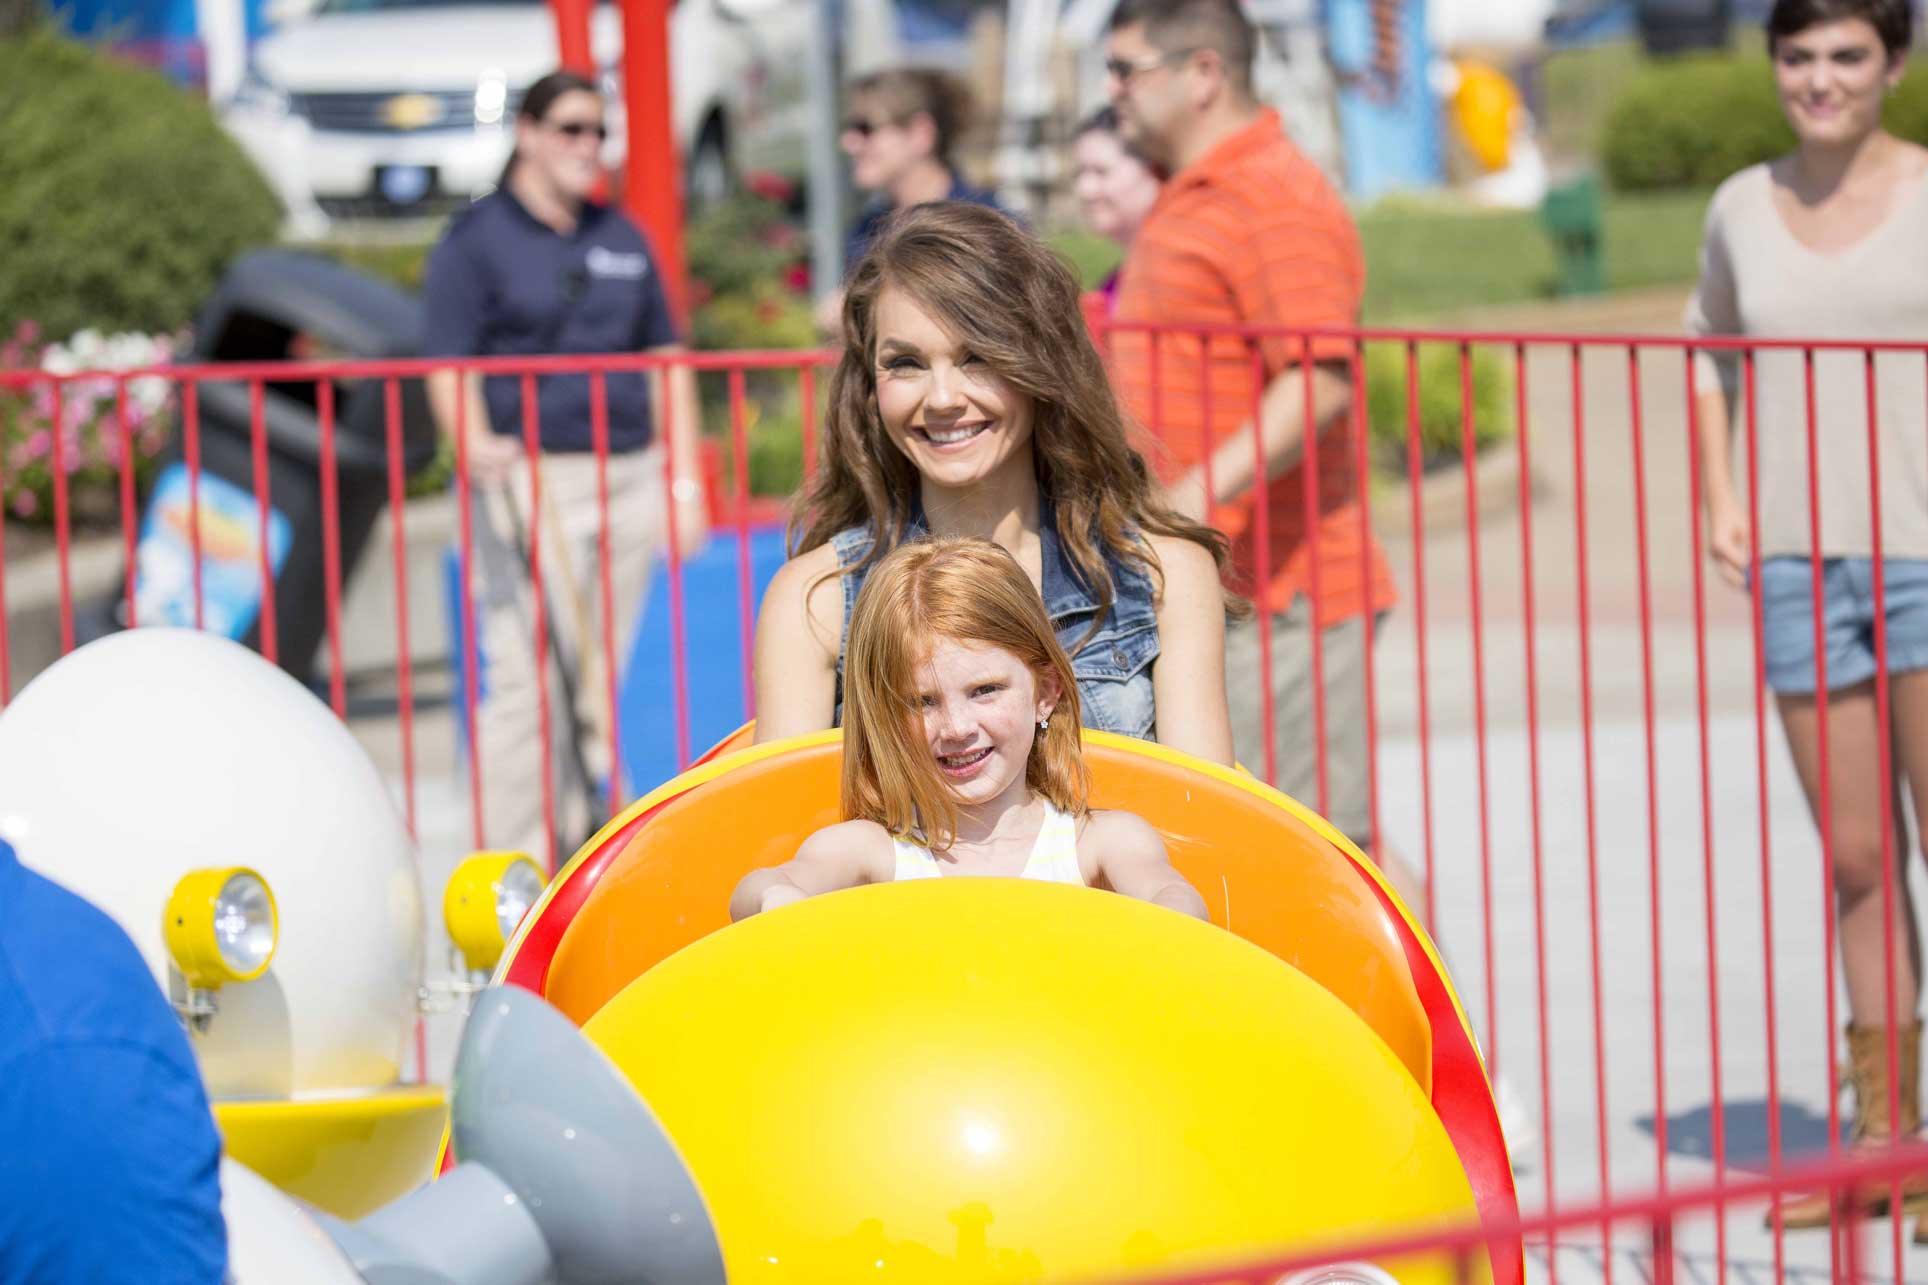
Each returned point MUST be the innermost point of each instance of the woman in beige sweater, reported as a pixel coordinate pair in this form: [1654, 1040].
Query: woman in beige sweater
[1831, 242]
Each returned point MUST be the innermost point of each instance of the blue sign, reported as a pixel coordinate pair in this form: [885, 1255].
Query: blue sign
[230, 539]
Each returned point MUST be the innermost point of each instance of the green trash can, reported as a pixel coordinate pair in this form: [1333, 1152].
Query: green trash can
[1572, 215]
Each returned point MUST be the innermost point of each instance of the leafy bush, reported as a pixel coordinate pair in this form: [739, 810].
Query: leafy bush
[1441, 430]
[1691, 122]
[121, 201]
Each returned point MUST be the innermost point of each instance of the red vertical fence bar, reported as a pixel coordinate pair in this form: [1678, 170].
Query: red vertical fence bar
[331, 543]
[605, 580]
[531, 538]
[1884, 725]
[6, 635]
[807, 395]
[678, 634]
[63, 519]
[1468, 455]
[465, 500]
[745, 585]
[404, 652]
[1310, 443]
[1205, 421]
[1523, 437]
[1645, 580]
[1826, 809]
[128, 515]
[1153, 345]
[1751, 421]
[1362, 468]
[1592, 819]
[1717, 1118]
[1415, 470]
[404, 661]
[263, 506]
[1262, 570]
[191, 455]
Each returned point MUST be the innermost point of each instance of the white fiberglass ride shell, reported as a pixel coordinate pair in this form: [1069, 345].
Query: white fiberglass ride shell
[154, 753]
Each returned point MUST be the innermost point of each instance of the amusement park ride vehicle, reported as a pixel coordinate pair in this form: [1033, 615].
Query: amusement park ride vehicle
[951, 1080]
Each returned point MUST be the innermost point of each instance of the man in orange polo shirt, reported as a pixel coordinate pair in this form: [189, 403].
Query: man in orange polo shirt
[1248, 233]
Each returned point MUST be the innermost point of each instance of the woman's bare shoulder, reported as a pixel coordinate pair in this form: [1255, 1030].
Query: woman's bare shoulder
[808, 587]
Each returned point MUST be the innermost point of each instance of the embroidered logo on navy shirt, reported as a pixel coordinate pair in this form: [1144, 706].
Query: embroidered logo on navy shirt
[610, 265]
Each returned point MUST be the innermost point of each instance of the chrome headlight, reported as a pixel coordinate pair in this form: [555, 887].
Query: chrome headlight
[221, 926]
[486, 898]
[257, 93]
[1341, 1274]
[491, 98]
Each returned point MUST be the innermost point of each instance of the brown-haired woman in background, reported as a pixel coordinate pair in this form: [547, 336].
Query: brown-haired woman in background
[970, 401]
[1831, 242]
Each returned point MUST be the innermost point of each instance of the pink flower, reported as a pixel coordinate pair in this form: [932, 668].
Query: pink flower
[39, 444]
[24, 505]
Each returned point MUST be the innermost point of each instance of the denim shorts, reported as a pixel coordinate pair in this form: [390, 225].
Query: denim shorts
[1847, 620]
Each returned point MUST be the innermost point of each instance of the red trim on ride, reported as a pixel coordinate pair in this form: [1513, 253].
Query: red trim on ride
[1460, 1094]
[1463, 1101]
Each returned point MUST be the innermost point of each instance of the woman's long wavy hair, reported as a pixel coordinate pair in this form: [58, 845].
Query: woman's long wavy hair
[1012, 302]
[968, 590]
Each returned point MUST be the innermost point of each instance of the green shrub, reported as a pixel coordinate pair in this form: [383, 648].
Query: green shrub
[1691, 122]
[1441, 432]
[121, 201]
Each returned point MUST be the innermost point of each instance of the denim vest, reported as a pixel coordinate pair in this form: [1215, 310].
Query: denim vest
[1113, 668]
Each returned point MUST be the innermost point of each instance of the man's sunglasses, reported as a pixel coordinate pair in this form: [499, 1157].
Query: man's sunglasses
[863, 127]
[1123, 70]
[574, 129]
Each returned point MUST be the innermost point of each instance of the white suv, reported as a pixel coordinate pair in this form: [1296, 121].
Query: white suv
[386, 109]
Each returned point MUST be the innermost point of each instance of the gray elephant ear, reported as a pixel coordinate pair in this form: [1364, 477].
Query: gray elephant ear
[544, 1110]
[565, 1175]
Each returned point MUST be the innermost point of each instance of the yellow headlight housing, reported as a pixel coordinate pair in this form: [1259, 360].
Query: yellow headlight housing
[486, 898]
[221, 926]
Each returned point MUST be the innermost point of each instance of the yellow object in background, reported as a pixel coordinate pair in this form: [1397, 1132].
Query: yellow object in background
[1004, 1080]
[346, 1155]
[1484, 105]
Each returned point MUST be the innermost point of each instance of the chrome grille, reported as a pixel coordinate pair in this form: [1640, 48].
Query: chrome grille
[400, 112]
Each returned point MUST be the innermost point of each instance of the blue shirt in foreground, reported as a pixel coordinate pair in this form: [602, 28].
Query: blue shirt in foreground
[502, 283]
[109, 1159]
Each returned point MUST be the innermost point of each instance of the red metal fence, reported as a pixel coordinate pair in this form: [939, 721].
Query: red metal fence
[1567, 722]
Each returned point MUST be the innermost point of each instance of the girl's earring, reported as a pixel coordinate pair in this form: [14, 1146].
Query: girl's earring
[1044, 724]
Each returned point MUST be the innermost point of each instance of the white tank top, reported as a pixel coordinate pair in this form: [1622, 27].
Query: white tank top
[1053, 859]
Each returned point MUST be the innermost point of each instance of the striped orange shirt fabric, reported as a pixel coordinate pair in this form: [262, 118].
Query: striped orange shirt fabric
[1252, 234]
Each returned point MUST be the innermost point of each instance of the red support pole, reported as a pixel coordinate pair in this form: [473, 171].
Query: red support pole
[652, 171]
[572, 35]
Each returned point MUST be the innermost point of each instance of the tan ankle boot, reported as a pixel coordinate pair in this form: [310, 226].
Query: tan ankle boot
[1868, 1077]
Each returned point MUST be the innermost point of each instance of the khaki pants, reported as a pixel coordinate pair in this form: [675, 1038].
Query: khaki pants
[508, 723]
[1294, 726]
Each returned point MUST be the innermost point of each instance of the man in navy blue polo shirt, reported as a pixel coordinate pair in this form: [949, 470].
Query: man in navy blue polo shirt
[538, 268]
[109, 1159]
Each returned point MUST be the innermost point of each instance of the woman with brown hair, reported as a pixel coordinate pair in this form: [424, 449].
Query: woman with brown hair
[1831, 242]
[970, 401]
